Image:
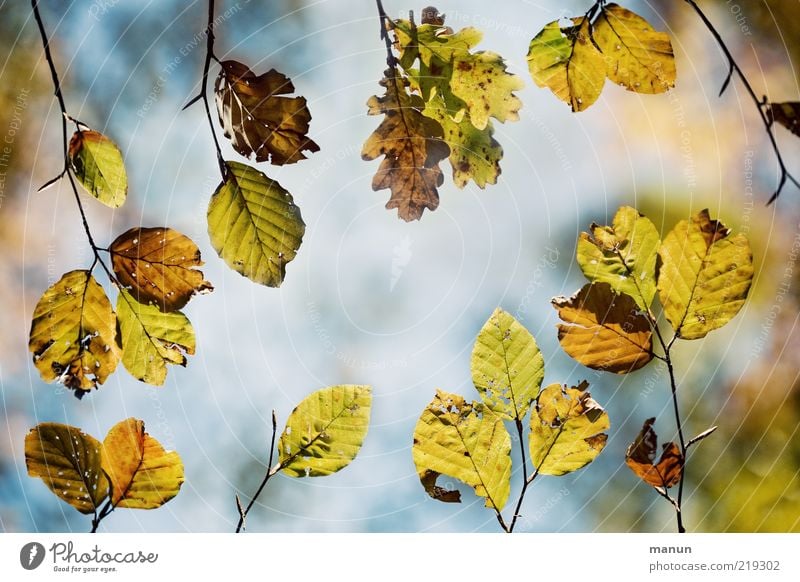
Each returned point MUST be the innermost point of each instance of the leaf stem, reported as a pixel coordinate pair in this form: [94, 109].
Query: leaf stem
[391, 60]
[270, 472]
[526, 481]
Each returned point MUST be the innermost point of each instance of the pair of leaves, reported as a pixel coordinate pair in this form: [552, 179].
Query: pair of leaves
[641, 459]
[129, 467]
[574, 61]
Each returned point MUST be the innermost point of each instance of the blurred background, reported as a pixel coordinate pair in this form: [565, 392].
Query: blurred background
[373, 300]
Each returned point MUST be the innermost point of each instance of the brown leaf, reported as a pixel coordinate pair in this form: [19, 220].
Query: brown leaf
[641, 455]
[787, 114]
[413, 147]
[257, 119]
[158, 266]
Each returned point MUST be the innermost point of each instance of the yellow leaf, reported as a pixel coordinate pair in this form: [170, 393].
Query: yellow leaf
[98, 165]
[641, 455]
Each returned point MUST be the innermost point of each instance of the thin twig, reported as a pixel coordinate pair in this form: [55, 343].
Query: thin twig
[386, 23]
[270, 472]
[525, 479]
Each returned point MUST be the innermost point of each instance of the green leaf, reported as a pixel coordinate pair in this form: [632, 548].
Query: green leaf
[567, 429]
[69, 463]
[98, 165]
[325, 431]
[623, 255]
[467, 442]
[152, 339]
[507, 366]
[705, 275]
[254, 225]
[73, 333]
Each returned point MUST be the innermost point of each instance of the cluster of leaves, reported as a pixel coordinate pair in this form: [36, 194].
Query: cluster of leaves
[129, 469]
[470, 441]
[438, 103]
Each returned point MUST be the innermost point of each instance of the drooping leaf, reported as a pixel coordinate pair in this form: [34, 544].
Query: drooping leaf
[325, 431]
[98, 165]
[566, 61]
[507, 366]
[152, 339]
[143, 475]
[637, 56]
[254, 225]
[705, 275]
[159, 267]
[787, 114]
[623, 255]
[641, 456]
[603, 330]
[413, 147]
[257, 116]
[567, 429]
[69, 463]
[73, 333]
[467, 442]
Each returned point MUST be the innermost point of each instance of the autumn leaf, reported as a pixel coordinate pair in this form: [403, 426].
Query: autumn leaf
[254, 225]
[603, 330]
[97, 164]
[257, 116]
[467, 442]
[158, 266]
[787, 114]
[567, 429]
[73, 333]
[641, 455]
[325, 431]
[705, 275]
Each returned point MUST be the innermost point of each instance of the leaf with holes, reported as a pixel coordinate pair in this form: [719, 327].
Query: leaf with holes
[641, 455]
[325, 431]
[158, 266]
[787, 114]
[97, 163]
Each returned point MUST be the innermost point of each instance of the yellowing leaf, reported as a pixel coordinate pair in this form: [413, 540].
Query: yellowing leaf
[143, 475]
[254, 225]
[467, 442]
[603, 330]
[258, 118]
[158, 266]
[787, 114]
[507, 366]
[325, 431]
[412, 146]
[623, 255]
[152, 339]
[69, 463]
[73, 333]
[705, 275]
[98, 165]
[641, 455]
[637, 57]
[566, 61]
[431, 43]
[566, 429]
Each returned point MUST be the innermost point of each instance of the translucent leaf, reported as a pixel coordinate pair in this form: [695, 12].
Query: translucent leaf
[507, 366]
[73, 333]
[254, 225]
[467, 442]
[603, 330]
[257, 116]
[705, 275]
[98, 165]
[641, 456]
[158, 266]
[152, 339]
[623, 255]
[143, 475]
[637, 57]
[567, 429]
[566, 61]
[69, 463]
[787, 114]
[325, 431]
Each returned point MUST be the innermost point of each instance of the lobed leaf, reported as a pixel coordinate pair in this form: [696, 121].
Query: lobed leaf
[641, 454]
[97, 164]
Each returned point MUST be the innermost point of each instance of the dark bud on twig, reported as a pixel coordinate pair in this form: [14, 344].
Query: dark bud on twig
[430, 15]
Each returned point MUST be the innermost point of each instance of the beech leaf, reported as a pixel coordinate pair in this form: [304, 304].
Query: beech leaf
[98, 166]
[641, 456]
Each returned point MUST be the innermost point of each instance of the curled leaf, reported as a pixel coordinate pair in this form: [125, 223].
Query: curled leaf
[641, 455]
[98, 166]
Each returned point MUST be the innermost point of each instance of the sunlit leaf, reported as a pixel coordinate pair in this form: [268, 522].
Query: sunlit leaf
[567, 429]
[787, 114]
[603, 330]
[98, 165]
[467, 442]
[158, 266]
[641, 456]
[507, 366]
[73, 333]
[325, 431]
[69, 463]
[705, 275]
